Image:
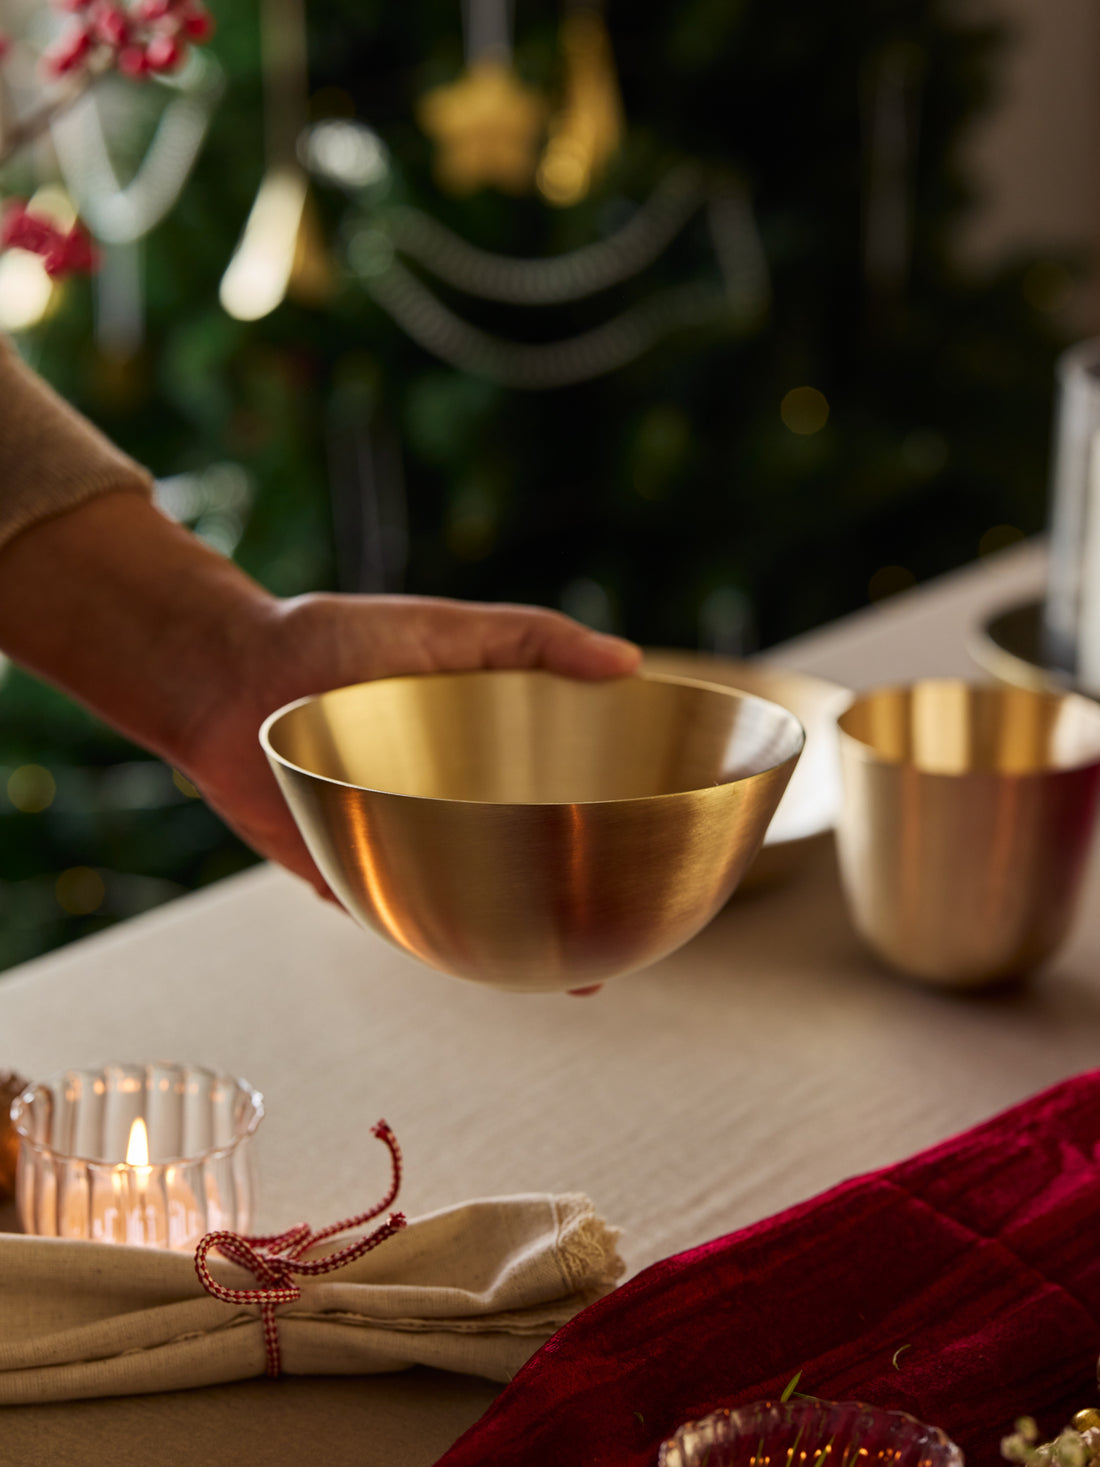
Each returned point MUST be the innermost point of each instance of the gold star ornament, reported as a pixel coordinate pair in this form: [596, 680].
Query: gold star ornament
[486, 127]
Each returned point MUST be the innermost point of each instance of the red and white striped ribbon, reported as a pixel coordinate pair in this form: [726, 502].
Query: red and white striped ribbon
[275, 1259]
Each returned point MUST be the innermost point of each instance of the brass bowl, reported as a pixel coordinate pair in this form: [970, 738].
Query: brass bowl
[526, 830]
[1008, 645]
[966, 825]
[811, 802]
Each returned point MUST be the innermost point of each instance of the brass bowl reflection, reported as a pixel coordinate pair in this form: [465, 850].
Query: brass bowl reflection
[811, 802]
[530, 831]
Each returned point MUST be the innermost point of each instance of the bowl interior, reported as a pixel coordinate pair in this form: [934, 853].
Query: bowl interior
[532, 738]
[946, 726]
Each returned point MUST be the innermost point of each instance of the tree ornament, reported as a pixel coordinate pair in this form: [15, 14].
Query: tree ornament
[121, 215]
[137, 41]
[588, 130]
[280, 251]
[736, 302]
[487, 125]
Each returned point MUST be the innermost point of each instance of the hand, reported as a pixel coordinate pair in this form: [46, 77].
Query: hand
[314, 643]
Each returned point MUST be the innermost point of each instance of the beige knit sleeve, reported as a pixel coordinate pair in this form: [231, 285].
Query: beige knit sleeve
[51, 458]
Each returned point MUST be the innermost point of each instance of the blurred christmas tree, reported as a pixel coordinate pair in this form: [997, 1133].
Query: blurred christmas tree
[754, 390]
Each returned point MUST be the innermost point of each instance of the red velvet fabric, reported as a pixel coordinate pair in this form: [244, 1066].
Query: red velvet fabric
[981, 1257]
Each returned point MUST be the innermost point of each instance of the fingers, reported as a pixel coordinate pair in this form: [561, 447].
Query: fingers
[527, 636]
[277, 839]
[329, 641]
[591, 654]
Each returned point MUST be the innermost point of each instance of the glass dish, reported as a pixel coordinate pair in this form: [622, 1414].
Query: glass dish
[87, 1169]
[808, 1434]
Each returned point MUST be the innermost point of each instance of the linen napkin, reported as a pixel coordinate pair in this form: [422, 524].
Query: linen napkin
[962, 1286]
[474, 1288]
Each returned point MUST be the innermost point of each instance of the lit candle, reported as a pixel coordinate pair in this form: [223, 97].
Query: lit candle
[137, 1159]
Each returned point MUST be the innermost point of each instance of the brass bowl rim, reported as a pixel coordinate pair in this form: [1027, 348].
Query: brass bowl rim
[1048, 695]
[726, 692]
[988, 644]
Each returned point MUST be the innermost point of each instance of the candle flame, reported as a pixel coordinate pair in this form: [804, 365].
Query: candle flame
[137, 1152]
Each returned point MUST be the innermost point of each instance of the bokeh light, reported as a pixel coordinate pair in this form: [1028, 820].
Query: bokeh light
[925, 452]
[804, 410]
[1047, 285]
[80, 891]
[31, 788]
[26, 291]
[1000, 537]
[345, 152]
[590, 603]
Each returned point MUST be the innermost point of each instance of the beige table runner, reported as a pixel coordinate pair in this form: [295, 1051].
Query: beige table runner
[762, 1063]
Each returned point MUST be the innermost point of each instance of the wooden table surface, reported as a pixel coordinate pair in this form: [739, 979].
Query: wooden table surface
[762, 1063]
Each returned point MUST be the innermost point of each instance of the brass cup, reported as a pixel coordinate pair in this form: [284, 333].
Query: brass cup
[965, 824]
[526, 830]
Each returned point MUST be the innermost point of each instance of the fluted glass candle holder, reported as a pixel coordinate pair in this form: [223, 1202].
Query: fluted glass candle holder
[809, 1434]
[154, 1155]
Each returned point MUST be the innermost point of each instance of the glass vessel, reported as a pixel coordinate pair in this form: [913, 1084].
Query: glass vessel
[1071, 612]
[155, 1155]
[809, 1434]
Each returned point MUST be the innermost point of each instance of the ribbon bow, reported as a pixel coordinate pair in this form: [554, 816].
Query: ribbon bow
[275, 1259]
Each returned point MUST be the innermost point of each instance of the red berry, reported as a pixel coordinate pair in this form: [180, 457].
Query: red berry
[68, 52]
[198, 24]
[82, 253]
[152, 10]
[164, 53]
[131, 61]
[112, 25]
[70, 254]
[24, 231]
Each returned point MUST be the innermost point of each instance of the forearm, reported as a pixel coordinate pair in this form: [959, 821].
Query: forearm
[51, 458]
[130, 614]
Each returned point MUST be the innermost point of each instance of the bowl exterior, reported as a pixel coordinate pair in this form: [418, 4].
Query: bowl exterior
[534, 897]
